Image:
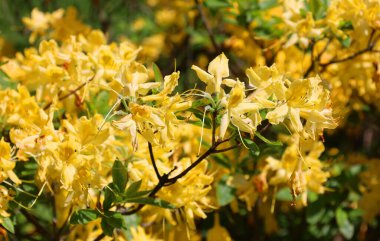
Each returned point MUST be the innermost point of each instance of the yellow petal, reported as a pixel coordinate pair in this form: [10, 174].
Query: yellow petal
[277, 115]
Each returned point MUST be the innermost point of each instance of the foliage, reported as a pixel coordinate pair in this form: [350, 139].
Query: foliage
[190, 120]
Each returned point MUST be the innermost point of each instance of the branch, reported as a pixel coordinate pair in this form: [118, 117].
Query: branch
[312, 66]
[207, 26]
[40, 229]
[70, 92]
[352, 56]
[194, 164]
[369, 48]
[153, 161]
[100, 237]
[228, 148]
[165, 180]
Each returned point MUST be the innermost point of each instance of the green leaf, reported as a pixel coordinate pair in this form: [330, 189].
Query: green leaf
[284, 195]
[133, 188]
[151, 201]
[200, 102]
[101, 102]
[109, 196]
[346, 228]
[131, 221]
[345, 25]
[84, 216]
[272, 143]
[314, 213]
[225, 194]
[267, 4]
[157, 73]
[111, 221]
[217, 4]
[346, 42]
[119, 175]
[253, 148]
[199, 114]
[6, 82]
[133, 191]
[318, 8]
[222, 160]
[8, 224]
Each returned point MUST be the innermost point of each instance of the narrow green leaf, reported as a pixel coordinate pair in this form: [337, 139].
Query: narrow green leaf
[217, 4]
[346, 42]
[346, 228]
[8, 224]
[157, 73]
[109, 196]
[222, 160]
[119, 175]
[224, 193]
[111, 221]
[6, 82]
[131, 221]
[284, 195]
[314, 213]
[273, 143]
[133, 188]
[199, 114]
[253, 148]
[101, 102]
[84, 216]
[151, 201]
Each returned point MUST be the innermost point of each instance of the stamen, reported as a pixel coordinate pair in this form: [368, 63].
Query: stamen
[203, 123]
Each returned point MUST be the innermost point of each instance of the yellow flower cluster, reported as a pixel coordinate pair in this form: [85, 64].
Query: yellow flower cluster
[75, 151]
[58, 25]
[299, 167]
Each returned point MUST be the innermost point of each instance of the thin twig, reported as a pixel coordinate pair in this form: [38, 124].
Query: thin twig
[315, 63]
[227, 149]
[369, 48]
[207, 26]
[354, 55]
[40, 229]
[70, 92]
[100, 237]
[153, 160]
[165, 180]
[213, 127]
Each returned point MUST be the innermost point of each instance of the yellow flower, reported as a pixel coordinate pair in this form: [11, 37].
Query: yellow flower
[4, 199]
[139, 234]
[218, 232]
[299, 167]
[241, 112]
[38, 24]
[7, 163]
[217, 70]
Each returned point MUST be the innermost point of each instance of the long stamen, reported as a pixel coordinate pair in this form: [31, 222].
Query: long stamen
[241, 138]
[203, 123]
[109, 112]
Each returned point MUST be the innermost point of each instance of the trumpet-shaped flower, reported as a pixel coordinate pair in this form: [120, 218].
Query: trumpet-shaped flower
[217, 70]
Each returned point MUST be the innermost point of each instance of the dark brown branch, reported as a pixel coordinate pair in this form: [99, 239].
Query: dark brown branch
[40, 229]
[369, 48]
[214, 113]
[207, 26]
[165, 180]
[70, 93]
[352, 56]
[194, 164]
[100, 237]
[315, 62]
[227, 149]
[153, 160]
